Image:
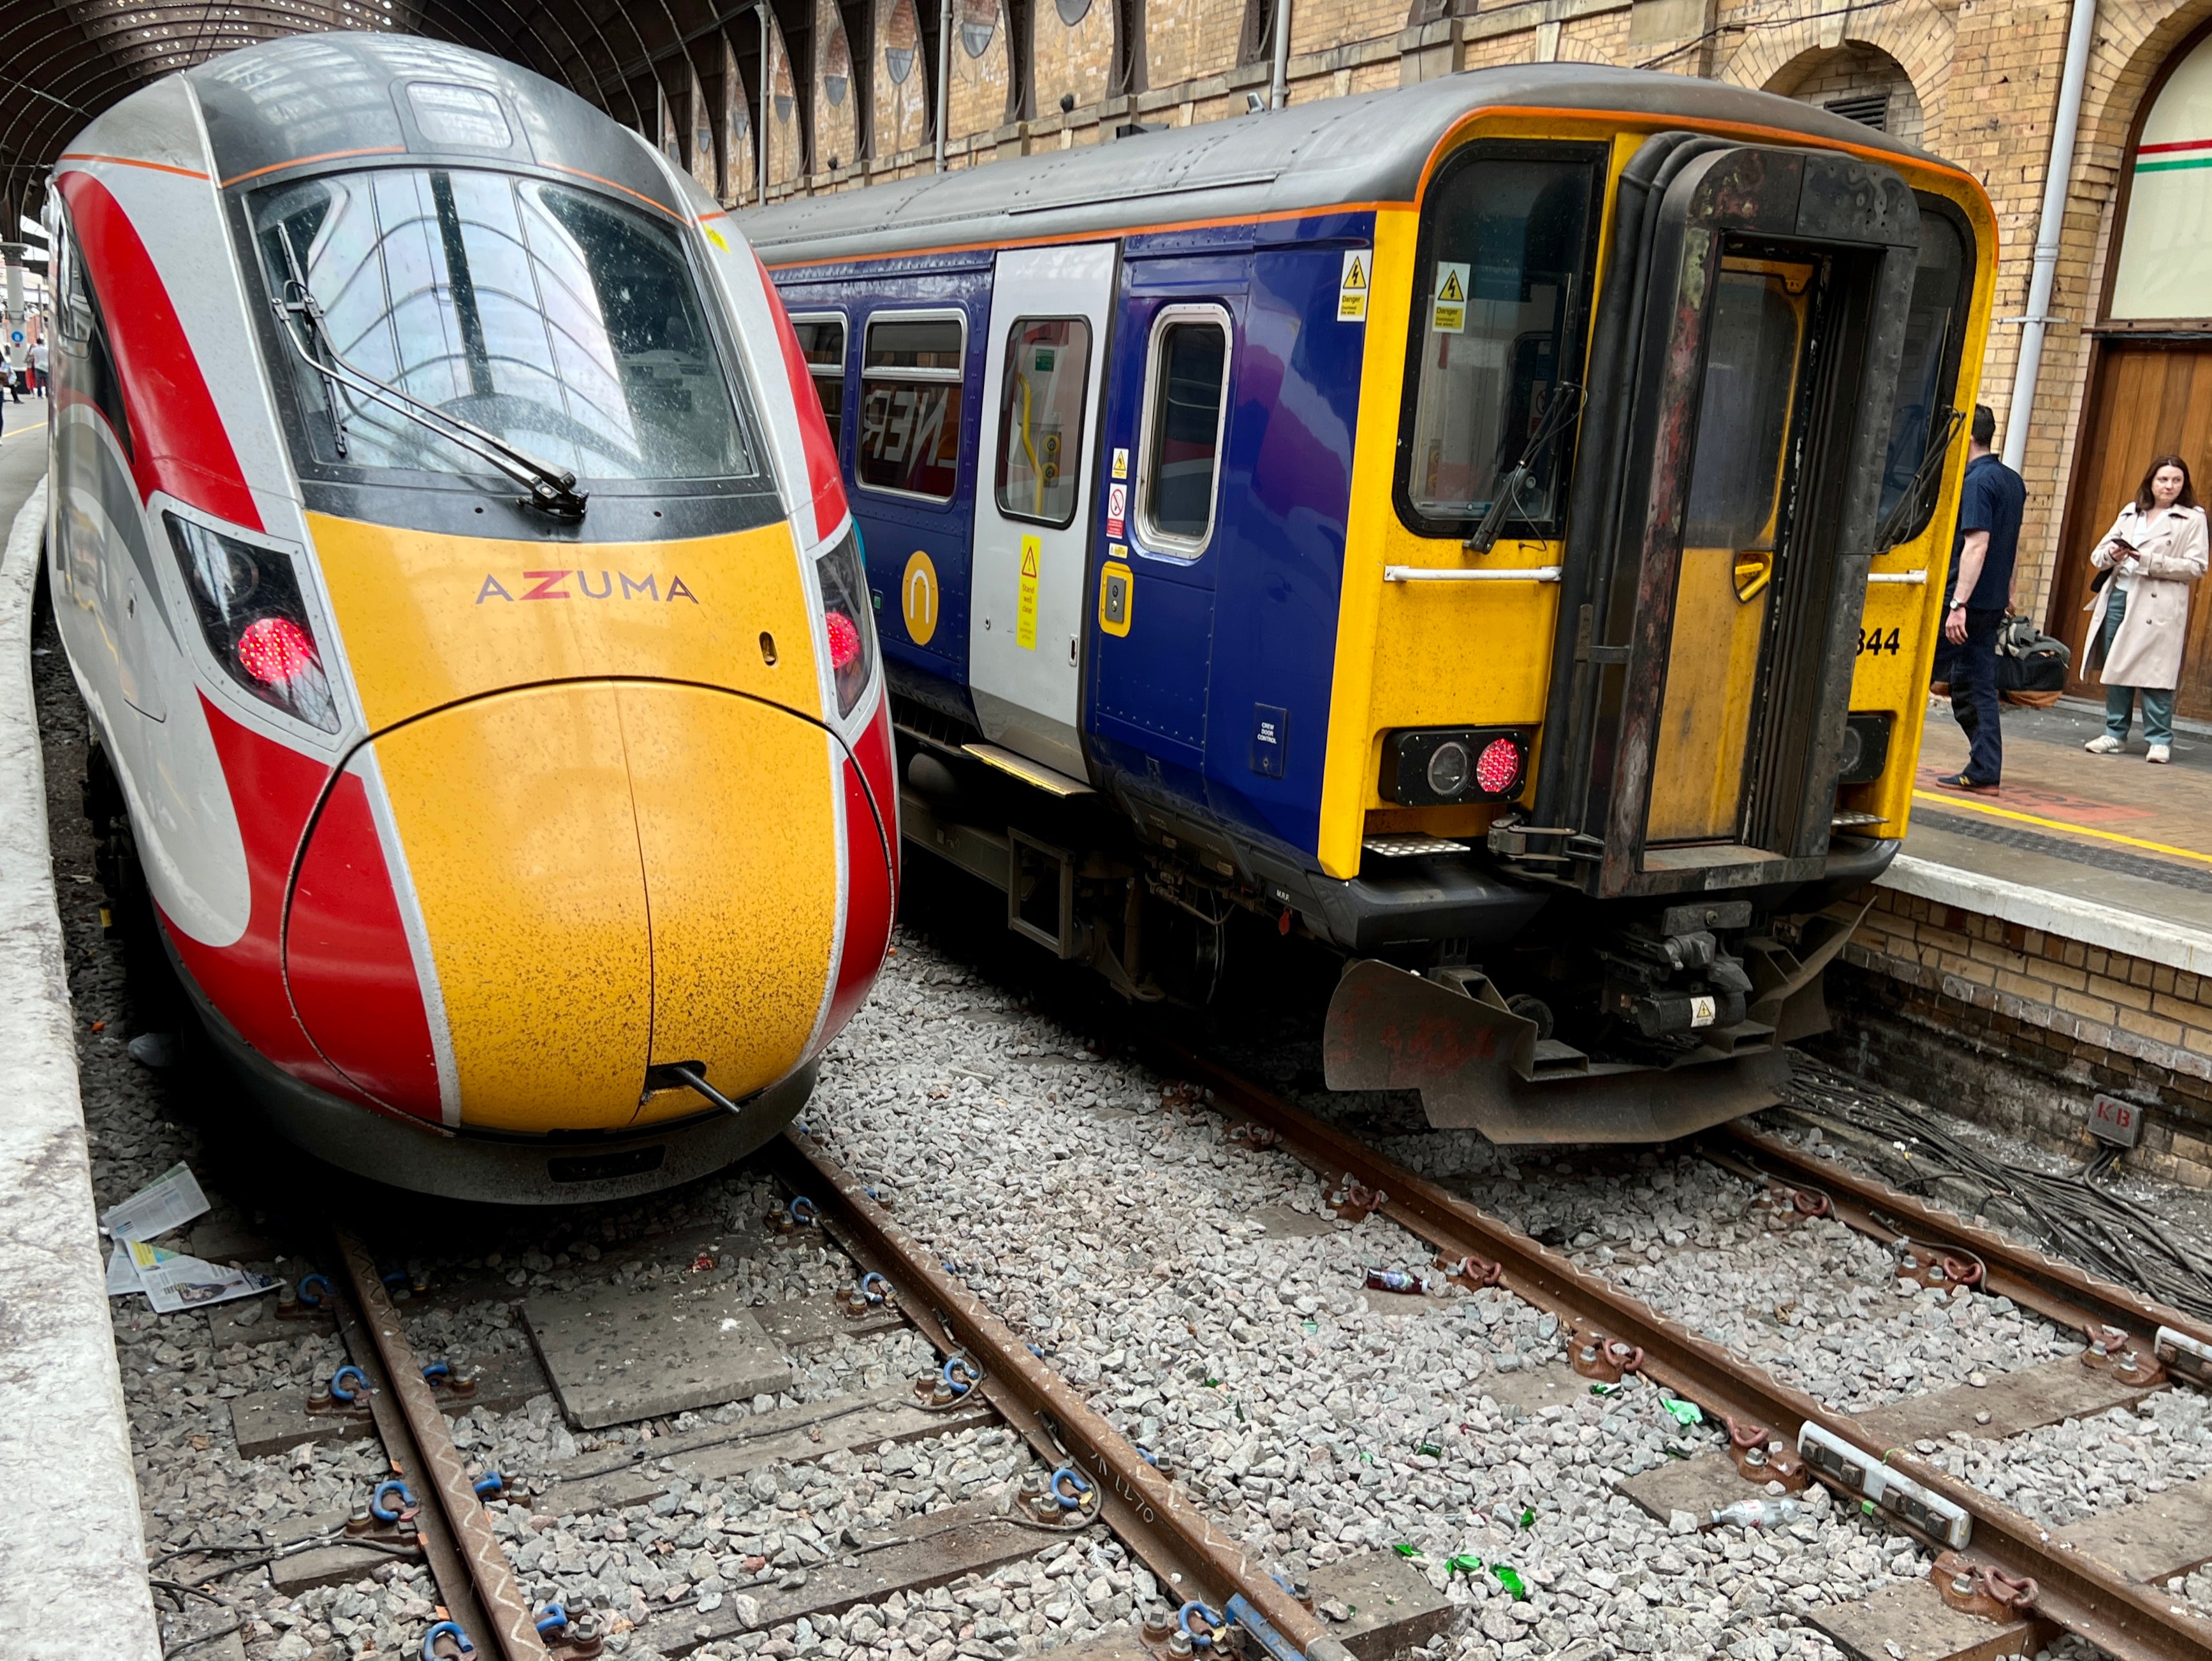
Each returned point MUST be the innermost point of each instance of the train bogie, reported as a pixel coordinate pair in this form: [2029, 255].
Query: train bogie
[446, 540]
[1445, 522]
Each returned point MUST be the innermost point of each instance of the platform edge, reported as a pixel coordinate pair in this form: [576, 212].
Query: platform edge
[2173, 945]
[72, 1554]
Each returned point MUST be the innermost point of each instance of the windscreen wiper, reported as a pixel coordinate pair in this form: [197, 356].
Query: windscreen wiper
[552, 489]
[1566, 404]
[1906, 511]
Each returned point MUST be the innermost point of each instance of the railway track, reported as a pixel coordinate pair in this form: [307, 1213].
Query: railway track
[2003, 1585]
[1996, 1566]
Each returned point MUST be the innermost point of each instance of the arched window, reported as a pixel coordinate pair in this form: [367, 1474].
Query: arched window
[2165, 267]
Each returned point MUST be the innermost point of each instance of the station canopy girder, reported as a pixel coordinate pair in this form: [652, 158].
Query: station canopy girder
[69, 60]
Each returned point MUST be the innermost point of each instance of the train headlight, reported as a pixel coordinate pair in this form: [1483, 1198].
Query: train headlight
[247, 600]
[1433, 767]
[1447, 769]
[1865, 750]
[849, 625]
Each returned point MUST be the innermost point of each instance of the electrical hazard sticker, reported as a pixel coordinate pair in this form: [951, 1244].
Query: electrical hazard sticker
[1703, 1010]
[1448, 314]
[1025, 605]
[1117, 508]
[1351, 287]
[1121, 464]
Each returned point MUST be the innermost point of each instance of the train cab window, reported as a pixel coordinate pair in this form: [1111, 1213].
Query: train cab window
[1501, 291]
[1934, 326]
[1041, 418]
[822, 343]
[564, 322]
[910, 405]
[1186, 407]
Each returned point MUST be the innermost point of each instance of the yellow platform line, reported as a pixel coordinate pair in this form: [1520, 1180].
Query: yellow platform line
[1973, 807]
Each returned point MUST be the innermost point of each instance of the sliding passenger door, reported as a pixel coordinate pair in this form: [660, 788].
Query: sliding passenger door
[1041, 373]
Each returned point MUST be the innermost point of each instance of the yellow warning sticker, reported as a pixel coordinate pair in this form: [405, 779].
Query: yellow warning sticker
[1449, 314]
[918, 597]
[1025, 608]
[1351, 287]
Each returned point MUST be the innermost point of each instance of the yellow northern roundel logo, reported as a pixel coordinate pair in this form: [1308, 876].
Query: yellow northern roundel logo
[918, 594]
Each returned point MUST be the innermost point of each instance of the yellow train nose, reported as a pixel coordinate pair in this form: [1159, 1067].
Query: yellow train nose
[615, 875]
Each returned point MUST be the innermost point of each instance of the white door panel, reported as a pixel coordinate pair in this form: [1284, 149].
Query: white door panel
[1049, 309]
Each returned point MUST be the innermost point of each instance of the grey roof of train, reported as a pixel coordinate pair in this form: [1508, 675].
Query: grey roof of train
[1367, 148]
[336, 100]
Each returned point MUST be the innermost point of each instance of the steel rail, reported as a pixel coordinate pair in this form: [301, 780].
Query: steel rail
[2074, 1591]
[489, 1577]
[455, 1591]
[1172, 1535]
[2061, 1292]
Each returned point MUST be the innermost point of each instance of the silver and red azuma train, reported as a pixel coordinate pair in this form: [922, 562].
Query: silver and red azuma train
[448, 545]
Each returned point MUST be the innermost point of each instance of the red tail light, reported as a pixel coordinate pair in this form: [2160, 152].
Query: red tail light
[1498, 769]
[844, 641]
[275, 651]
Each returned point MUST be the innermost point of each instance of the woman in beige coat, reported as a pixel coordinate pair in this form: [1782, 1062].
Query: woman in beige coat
[2155, 550]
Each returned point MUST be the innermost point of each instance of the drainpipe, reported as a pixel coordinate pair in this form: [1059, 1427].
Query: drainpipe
[1279, 87]
[2047, 228]
[944, 73]
[762, 120]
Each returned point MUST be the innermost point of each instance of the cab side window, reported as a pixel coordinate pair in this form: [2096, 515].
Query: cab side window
[82, 333]
[910, 405]
[1186, 410]
[822, 343]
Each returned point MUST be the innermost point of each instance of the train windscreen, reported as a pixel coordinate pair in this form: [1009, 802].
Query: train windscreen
[1505, 275]
[553, 318]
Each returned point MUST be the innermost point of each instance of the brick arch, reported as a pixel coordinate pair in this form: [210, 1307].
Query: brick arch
[1919, 37]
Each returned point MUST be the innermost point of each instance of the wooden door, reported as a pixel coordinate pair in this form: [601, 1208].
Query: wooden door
[2146, 399]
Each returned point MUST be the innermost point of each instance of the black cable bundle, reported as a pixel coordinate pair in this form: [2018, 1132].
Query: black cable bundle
[2067, 1213]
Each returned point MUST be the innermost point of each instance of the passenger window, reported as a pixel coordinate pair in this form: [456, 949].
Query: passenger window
[910, 406]
[1188, 379]
[822, 343]
[1041, 418]
[1500, 294]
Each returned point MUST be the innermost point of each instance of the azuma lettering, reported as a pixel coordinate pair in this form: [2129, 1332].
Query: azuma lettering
[547, 585]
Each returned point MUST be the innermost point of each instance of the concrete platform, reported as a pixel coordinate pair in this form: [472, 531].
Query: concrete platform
[72, 1557]
[2103, 850]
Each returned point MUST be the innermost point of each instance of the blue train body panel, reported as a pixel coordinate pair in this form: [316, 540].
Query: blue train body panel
[1216, 701]
[895, 527]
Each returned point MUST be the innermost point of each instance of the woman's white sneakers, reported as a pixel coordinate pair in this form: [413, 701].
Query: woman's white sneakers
[2105, 745]
[2161, 752]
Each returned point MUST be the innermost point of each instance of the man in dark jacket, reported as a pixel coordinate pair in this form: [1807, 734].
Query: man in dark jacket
[1991, 502]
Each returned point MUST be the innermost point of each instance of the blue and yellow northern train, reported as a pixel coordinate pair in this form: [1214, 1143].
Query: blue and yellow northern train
[1496, 525]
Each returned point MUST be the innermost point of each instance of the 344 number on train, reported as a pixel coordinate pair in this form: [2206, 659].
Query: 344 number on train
[1875, 641]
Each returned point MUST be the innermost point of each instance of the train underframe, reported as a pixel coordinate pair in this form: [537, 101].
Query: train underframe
[1522, 1010]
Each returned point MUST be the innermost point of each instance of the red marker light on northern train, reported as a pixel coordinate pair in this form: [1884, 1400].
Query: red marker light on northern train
[276, 650]
[1498, 769]
[844, 639]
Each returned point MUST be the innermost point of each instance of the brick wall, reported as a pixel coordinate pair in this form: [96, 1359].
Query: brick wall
[2020, 1028]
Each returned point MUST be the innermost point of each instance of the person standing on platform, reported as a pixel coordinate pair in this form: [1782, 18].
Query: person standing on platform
[38, 368]
[1990, 504]
[2153, 551]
